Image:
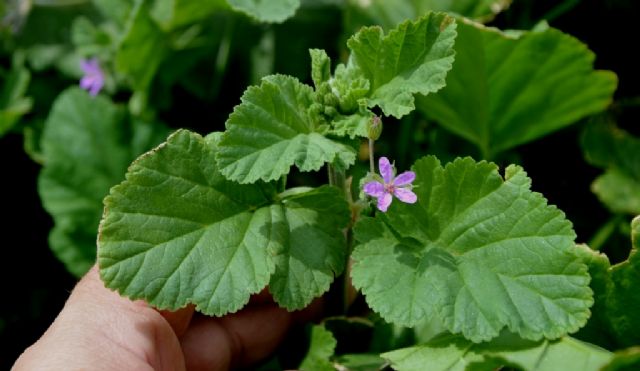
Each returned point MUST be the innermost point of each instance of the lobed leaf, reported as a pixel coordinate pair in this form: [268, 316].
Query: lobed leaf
[618, 152]
[506, 90]
[450, 353]
[177, 232]
[480, 252]
[615, 288]
[87, 145]
[321, 349]
[271, 130]
[413, 58]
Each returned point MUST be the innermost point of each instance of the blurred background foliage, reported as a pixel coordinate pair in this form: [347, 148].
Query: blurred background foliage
[170, 64]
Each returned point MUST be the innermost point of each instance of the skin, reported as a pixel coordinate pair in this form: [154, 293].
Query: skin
[100, 330]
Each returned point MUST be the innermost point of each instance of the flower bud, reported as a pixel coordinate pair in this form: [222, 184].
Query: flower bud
[374, 129]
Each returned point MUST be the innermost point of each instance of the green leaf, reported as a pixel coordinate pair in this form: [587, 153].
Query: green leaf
[87, 145]
[506, 90]
[350, 86]
[321, 349]
[480, 252]
[456, 353]
[618, 191]
[356, 125]
[389, 13]
[272, 11]
[271, 130]
[360, 362]
[618, 152]
[116, 10]
[315, 247]
[13, 103]
[624, 360]
[172, 14]
[616, 292]
[177, 232]
[413, 58]
[142, 49]
[320, 66]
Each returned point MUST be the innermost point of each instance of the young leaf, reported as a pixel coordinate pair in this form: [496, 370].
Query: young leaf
[273, 11]
[87, 145]
[271, 130]
[320, 66]
[356, 125]
[507, 90]
[321, 349]
[413, 58]
[616, 292]
[177, 232]
[618, 152]
[478, 251]
[456, 353]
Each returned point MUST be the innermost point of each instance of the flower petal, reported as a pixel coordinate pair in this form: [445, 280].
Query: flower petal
[405, 195]
[384, 202]
[86, 82]
[385, 169]
[374, 189]
[405, 178]
[95, 89]
[90, 66]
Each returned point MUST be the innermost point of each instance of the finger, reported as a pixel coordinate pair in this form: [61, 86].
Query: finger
[236, 340]
[99, 328]
[179, 320]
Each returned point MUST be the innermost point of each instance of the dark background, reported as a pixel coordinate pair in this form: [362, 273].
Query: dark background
[34, 284]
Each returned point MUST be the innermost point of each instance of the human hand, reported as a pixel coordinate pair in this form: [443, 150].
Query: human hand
[100, 330]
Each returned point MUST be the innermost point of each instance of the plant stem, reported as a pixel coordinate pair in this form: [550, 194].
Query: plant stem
[372, 167]
[341, 301]
[604, 233]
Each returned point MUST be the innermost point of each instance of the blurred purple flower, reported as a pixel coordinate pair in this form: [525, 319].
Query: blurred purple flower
[399, 186]
[93, 79]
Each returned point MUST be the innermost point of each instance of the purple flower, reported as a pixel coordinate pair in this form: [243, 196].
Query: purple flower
[93, 79]
[399, 186]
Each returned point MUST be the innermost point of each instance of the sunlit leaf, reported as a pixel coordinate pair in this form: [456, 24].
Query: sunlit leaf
[412, 58]
[479, 251]
[454, 353]
[177, 232]
[509, 89]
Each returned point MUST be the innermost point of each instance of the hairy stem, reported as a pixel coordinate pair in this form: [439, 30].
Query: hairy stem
[372, 167]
